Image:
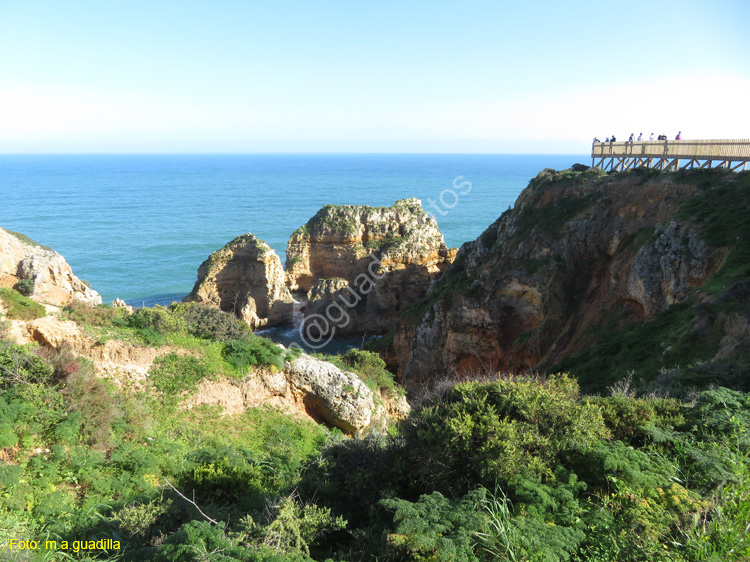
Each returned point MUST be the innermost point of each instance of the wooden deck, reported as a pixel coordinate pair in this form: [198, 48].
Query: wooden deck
[671, 154]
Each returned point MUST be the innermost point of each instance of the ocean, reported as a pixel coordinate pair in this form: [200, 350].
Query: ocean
[138, 226]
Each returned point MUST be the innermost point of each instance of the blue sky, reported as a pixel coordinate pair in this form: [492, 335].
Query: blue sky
[342, 76]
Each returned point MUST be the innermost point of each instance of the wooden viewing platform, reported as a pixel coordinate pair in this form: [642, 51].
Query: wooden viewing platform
[668, 155]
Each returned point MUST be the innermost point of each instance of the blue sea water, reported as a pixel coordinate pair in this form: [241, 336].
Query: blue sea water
[138, 226]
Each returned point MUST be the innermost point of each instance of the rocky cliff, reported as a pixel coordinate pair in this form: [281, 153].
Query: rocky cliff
[362, 266]
[49, 277]
[581, 256]
[245, 278]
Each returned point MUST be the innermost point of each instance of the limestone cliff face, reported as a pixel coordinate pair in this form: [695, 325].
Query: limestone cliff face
[245, 278]
[578, 250]
[54, 282]
[368, 263]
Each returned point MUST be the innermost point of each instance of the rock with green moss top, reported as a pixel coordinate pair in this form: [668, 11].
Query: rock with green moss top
[245, 278]
[383, 259]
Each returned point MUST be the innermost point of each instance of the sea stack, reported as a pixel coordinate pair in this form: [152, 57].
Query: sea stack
[245, 278]
[365, 264]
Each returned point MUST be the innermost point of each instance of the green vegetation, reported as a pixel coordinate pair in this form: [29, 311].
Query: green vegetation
[85, 460]
[25, 287]
[524, 469]
[552, 216]
[516, 469]
[26, 240]
[720, 212]
[175, 374]
[382, 343]
[370, 368]
[242, 354]
[20, 307]
[337, 218]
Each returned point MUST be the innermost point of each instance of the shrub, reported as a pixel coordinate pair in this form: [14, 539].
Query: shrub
[254, 350]
[22, 364]
[91, 315]
[20, 307]
[295, 526]
[223, 475]
[139, 519]
[482, 433]
[436, 528]
[371, 369]
[722, 412]
[210, 323]
[99, 404]
[630, 419]
[174, 374]
[25, 287]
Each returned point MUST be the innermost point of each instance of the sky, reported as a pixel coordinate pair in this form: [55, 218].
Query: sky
[475, 76]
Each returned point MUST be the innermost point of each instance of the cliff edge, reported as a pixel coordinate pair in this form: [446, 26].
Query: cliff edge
[602, 275]
[44, 273]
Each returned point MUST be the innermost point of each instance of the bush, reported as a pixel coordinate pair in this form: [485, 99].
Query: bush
[99, 403]
[20, 307]
[25, 287]
[371, 369]
[722, 412]
[295, 527]
[254, 350]
[630, 419]
[223, 475]
[22, 364]
[175, 374]
[483, 433]
[437, 528]
[90, 315]
[210, 323]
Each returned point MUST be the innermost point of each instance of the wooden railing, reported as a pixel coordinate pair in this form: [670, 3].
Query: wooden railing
[667, 155]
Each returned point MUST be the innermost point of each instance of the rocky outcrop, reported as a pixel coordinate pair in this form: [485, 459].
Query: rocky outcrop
[361, 266]
[310, 388]
[306, 387]
[245, 278]
[338, 397]
[578, 251]
[51, 277]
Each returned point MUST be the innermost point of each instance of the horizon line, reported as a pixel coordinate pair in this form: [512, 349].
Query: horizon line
[291, 153]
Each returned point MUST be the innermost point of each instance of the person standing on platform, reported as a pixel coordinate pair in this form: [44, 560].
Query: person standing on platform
[640, 137]
[679, 135]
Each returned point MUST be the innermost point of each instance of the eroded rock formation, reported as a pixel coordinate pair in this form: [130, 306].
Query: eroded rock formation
[53, 281]
[245, 278]
[576, 252]
[361, 266]
[311, 388]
